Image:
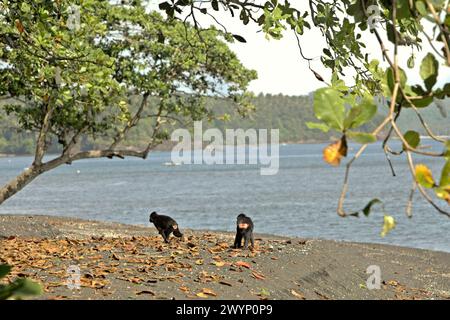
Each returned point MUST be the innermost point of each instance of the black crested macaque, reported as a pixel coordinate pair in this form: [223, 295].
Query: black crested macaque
[165, 225]
[244, 230]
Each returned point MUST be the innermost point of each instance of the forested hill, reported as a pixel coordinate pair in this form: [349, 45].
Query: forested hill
[290, 113]
[286, 113]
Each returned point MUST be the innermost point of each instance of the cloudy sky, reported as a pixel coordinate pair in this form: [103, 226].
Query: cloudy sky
[280, 67]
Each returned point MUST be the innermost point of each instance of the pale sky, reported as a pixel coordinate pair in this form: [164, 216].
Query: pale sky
[279, 64]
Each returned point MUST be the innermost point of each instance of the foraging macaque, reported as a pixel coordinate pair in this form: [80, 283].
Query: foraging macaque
[244, 229]
[165, 225]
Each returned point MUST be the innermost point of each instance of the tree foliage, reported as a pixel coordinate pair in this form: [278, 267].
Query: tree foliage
[70, 68]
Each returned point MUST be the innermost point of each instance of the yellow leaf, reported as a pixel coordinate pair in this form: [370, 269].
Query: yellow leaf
[334, 152]
[424, 176]
[199, 262]
[443, 193]
[388, 225]
[219, 263]
[202, 295]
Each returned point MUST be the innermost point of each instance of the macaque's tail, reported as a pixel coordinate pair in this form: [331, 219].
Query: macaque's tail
[177, 233]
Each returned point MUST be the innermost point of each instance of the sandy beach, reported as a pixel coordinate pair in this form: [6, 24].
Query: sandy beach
[118, 261]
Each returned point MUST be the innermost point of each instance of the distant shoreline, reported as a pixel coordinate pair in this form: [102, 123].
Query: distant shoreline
[12, 155]
[167, 147]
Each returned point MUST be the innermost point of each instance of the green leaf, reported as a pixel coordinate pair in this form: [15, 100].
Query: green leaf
[361, 114]
[320, 126]
[165, 6]
[329, 107]
[361, 137]
[355, 11]
[338, 84]
[239, 38]
[390, 31]
[367, 209]
[391, 80]
[414, 92]
[25, 287]
[403, 11]
[25, 7]
[4, 270]
[447, 152]
[445, 175]
[413, 139]
[183, 2]
[422, 103]
[429, 70]
[264, 292]
[411, 62]
[215, 5]
[420, 6]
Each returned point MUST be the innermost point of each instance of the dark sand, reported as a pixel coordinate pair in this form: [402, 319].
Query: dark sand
[120, 261]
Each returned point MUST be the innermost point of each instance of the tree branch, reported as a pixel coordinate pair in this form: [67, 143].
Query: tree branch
[133, 122]
[41, 141]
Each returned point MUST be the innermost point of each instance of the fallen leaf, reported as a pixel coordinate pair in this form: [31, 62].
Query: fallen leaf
[392, 283]
[243, 264]
[115, 256]
[59, 297]
[297, 295]
[184, 289]
[258, 276]
[216, 249]
[145, 292]
[321, 295]
[209, 292]
[224, 244]
[191, 245]
[135, 280]
[199, 262]
[202, 295]
[219, 263]
[264, 293]
[97, 284]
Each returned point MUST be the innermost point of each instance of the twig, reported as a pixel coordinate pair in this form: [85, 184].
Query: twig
[340, 209]
[410, 200]
[443, 32]
[421, 189]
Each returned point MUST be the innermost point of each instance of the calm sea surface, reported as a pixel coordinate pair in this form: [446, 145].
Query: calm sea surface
[298, 201]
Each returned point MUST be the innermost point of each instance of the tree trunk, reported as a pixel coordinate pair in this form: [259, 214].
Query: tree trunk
[18, 183]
